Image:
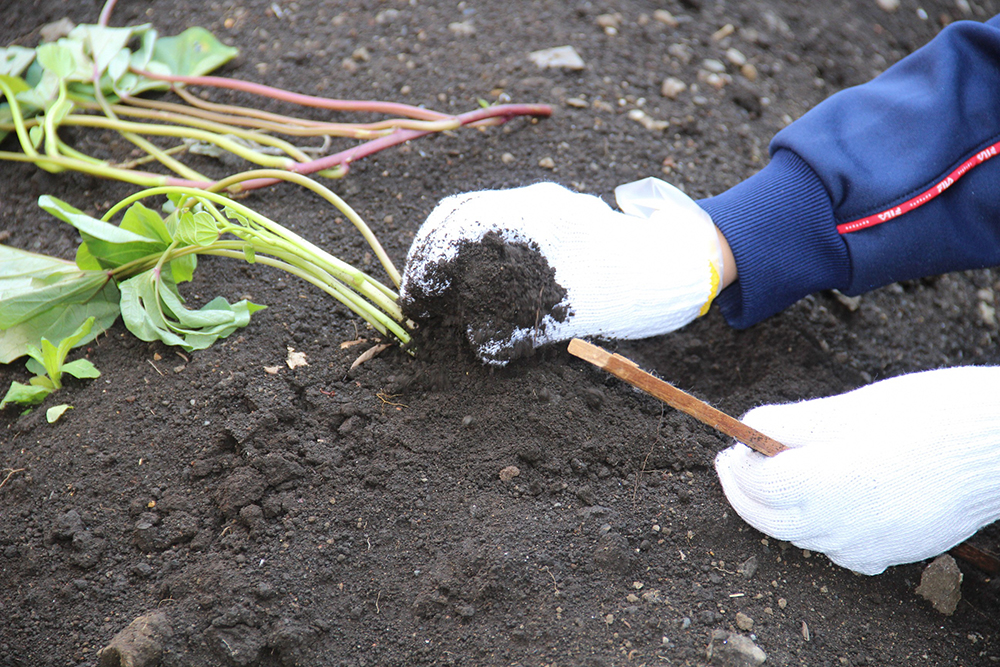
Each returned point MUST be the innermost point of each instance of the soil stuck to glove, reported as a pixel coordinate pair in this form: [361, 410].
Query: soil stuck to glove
[494, 289]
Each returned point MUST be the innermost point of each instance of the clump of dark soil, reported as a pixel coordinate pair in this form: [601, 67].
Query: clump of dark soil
[328, 516]
[495, 288]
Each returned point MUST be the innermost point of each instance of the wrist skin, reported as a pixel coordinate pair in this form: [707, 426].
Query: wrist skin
[728, 262]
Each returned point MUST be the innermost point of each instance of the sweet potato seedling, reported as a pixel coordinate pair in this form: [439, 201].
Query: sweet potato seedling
[48, 363]
[134, 269]
[95, 77]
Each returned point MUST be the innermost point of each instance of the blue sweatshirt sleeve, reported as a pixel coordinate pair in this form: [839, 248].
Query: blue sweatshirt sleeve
[869, 150]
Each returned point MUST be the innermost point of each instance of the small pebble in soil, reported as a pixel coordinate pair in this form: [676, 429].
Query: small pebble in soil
[666, 18]
[509, 473]
[462, 28]
[736, 57]
[730, 649]
[560, 57]
[941, 584]
[672, 87]
[749, 567]
[140, 644]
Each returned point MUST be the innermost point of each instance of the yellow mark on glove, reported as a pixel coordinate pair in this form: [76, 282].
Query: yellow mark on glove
[715, 280]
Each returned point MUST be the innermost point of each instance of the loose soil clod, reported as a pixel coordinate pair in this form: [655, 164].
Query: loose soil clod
[494, 288]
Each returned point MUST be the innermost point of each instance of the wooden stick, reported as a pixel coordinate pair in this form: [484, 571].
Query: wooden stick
[628, 371]
[986, 562]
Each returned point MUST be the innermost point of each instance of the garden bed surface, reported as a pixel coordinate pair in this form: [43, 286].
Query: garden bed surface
[325, 516]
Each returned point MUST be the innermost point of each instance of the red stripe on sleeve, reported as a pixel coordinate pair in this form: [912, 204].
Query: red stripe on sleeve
[924, 197]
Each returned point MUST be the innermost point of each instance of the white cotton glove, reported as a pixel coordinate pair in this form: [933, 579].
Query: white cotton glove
[893, 472]
[645, 271]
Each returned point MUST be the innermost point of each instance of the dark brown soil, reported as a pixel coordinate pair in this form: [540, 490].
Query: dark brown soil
[493, 289]
[324, 516]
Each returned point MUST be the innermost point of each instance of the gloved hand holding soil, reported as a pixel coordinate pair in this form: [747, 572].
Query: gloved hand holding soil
[516, 269]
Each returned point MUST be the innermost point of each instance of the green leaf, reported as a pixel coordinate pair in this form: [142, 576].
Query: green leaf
[109, 244]
[14, 60]
[81, 369]
[194, 52]
[57, 58]
[24, 394]
[249, 254]
[16, 84]
[52, 355]
[55, 412]
[35, 134]
[55, 322]
[42, 296]
[182, 268]
[140, 310]
[52, 362]
[198, 229]
[72, 340]
[102, 42]
[93, 227]
[173, 202]
[34, 366]
[31, 283]
[167, 319]
[237, 216]
[42, 381]
[41, 95]
[19, 269]
[140, 58]
[85, 259]
[46, 297]
[118, 67]
[145, 222]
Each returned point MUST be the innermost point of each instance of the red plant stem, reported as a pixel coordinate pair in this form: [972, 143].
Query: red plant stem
[489, 115]
[495, 115]
[392, 108]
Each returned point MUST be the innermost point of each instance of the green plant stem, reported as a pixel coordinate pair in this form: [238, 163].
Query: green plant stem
[102, 170]
[372, 289]
[384, 323]
[329, 196]
[69, 151]
[18, 119]
[158, 268]
[389, 320]
[179, 117]
[229, 145]
[56, 110]
[141, 142]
